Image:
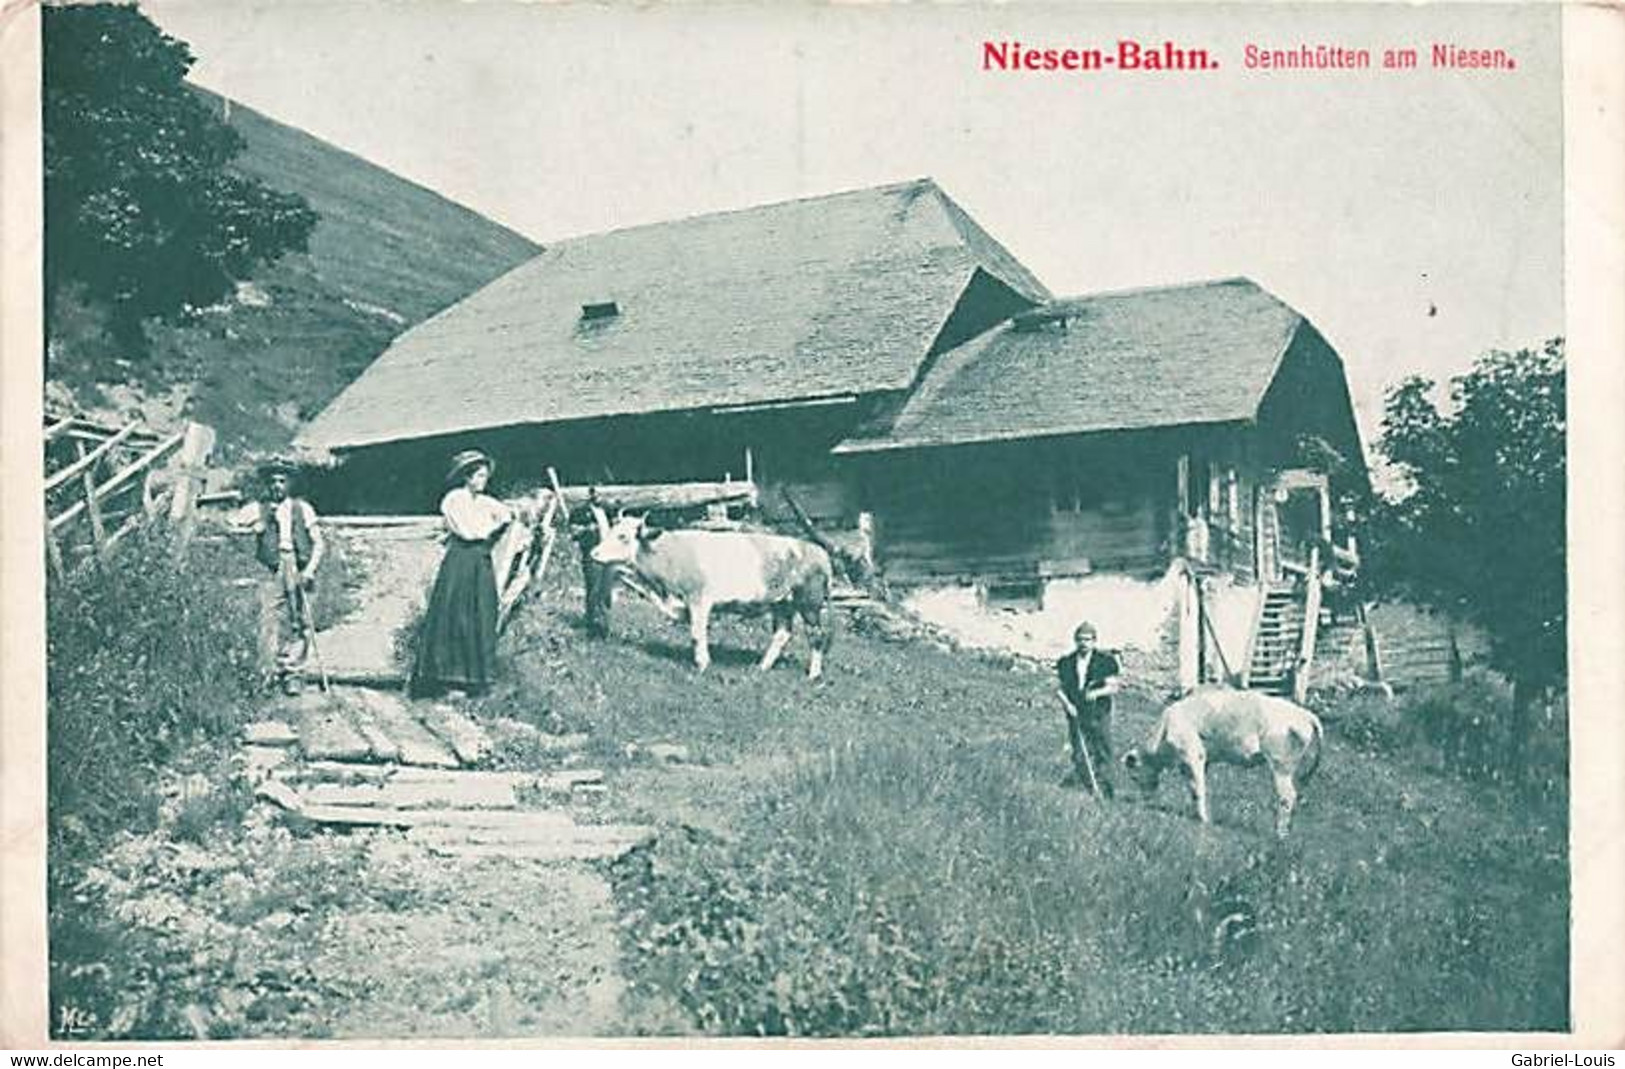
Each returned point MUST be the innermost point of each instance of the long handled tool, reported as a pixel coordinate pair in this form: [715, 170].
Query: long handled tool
[308, 618]
[1080, 747]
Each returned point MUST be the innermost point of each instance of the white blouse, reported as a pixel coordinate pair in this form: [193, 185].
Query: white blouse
[472, 516]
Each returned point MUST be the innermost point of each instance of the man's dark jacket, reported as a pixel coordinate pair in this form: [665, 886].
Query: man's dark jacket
[1102, 666]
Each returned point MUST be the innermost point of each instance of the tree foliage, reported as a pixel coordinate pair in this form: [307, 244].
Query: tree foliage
[143, 214]
[1480, 528]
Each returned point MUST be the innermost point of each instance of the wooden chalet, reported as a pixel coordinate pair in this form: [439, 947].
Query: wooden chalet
[1204, 430]
[745, 343]
[1163, 461]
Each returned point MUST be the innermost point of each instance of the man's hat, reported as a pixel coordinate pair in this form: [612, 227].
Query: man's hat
[1084, 628]
[465, 462]
[275, 465]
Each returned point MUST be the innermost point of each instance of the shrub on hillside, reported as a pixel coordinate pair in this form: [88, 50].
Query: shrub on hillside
[1368, 720]
[144, 655]
[1469, 722]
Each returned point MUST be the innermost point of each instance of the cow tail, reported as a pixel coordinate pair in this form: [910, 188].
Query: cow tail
[1311, 755]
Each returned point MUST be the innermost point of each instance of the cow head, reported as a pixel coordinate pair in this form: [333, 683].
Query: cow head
[1144, 772]
[620, 541]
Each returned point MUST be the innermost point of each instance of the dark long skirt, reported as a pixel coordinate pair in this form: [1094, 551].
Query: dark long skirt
[457, 644]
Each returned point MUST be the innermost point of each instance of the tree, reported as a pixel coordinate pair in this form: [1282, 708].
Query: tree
[1479, 530]
[142, 214]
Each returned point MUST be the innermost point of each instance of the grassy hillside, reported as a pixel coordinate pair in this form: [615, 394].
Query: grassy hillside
[883, 853]
[888, 852]
[386, 255]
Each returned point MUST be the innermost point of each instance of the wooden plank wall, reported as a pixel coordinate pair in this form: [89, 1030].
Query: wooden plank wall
[1018, 509]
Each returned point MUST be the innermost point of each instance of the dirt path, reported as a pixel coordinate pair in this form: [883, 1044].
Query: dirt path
[449, 930]
[493, 949]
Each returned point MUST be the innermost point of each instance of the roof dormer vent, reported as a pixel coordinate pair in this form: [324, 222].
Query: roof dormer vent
[599, 310]
[1037, 319]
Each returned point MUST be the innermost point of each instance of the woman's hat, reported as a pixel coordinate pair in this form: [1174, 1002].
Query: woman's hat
[467, 461]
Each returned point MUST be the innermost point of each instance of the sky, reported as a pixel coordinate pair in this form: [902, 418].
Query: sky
[1415, 217]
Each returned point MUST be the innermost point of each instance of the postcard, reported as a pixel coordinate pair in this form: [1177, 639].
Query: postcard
[568, 522]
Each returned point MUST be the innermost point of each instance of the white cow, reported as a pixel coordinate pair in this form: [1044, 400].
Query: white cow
[1238, 727]
[742, 569]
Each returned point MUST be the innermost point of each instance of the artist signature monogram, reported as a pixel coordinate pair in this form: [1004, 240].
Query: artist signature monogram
[72, 1020]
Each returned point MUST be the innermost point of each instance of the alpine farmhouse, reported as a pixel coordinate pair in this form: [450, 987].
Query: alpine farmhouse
[1164, 461]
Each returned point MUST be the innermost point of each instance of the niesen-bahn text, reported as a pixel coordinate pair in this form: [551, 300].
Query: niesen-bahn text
[1124, 55]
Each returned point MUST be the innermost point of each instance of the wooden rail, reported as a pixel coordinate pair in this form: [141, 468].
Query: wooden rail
[89, 460]
[109, 521]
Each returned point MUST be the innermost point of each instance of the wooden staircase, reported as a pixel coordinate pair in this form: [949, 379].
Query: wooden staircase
[1277, 641]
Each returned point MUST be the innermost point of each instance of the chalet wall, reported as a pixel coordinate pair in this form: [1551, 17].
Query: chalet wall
[1136, 616]
[788, 446]
[1309, 397]
[1043, 509]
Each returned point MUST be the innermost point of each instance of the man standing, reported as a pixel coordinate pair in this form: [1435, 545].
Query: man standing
[1088, 680]
[288, 543]
[598, 580]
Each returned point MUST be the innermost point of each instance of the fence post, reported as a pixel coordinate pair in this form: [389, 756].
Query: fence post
[1373, 655]
[98, 531]
[194, 454]
[53, 551]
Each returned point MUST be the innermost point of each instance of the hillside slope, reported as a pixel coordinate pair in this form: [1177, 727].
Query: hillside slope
[387, 254]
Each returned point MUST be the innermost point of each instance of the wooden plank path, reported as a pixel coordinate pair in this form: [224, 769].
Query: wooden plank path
[360, 757]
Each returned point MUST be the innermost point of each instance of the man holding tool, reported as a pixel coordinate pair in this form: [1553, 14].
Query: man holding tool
[288, 542]
[1088, 680]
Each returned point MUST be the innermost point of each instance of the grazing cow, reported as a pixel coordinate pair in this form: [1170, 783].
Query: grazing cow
[739, 569]
[1238, 727]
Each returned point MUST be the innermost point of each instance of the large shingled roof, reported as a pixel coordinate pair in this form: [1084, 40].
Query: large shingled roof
[1200, 353]
[825, 296]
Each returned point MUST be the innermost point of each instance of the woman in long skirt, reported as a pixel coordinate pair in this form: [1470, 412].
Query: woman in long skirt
[456, 649]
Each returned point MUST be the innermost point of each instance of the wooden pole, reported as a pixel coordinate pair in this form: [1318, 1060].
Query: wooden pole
[549, 536]
[196, 446]
[648, 595]
[1373, 656]
[1213, 636]
[98, 531]
[53, 552]
[1082, 760]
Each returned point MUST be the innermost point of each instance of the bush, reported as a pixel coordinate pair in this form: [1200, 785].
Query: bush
[1365, 719]
[1469, 722]
[145, 656]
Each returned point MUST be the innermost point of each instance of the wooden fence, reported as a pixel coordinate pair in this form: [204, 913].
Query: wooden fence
[103, 482]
